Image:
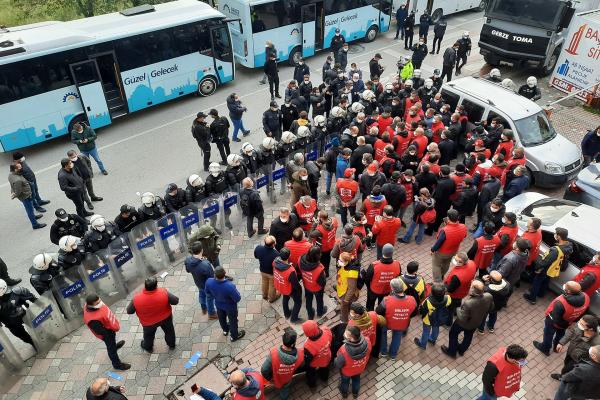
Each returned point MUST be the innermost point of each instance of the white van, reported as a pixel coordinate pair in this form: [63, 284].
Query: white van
[551, 158]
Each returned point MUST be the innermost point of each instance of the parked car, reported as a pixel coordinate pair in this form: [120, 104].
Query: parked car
[586, 187]
[580, 220]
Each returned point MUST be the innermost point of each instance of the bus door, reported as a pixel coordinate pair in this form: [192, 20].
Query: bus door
[110, 76]
[91, 93]
[309, 29]
[222, 53]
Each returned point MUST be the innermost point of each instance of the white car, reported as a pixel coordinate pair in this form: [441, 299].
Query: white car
[582, 222]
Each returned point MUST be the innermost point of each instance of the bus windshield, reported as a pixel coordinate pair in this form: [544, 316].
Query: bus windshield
[535, 130]
[541, 13]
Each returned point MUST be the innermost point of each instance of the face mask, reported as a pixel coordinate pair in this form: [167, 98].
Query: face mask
[306, 81]
[504, 221]
[22, 159]
[388, 90]
[530, 85]
[420, 43]
[304, 177]
[74, 159]
[215, 174]
[101, 228]
[522, 363]
[337, 34]
[412, 153]
[412, 113]
[494, 209]
[273, 108]
[371, 173]
[341, 76]
[394, 104]
[355, 79]
[428, 85]
[284, 219]
[341, 264]
[365, 163]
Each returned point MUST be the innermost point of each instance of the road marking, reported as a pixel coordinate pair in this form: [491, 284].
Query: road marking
[147, 131]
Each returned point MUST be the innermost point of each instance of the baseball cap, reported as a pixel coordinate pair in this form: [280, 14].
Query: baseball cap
[171, 187]
[273, 104]
[378, 55]
[61, 213]
[349, 172]
[200, 115]
[125, 209]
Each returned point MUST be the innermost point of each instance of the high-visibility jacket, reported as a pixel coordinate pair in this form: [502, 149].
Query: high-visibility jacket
[320, 348]
[152, 306]
[354, 367]
[383, 273]
[508, 380]
[283, 373]
[465, 274]
[379, 148]
[398, 311]
[571, 313]
[458, 184]
[554, 268]
[261, 388]
[104, 315]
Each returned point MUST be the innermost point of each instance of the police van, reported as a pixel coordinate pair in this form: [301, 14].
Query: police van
[552, 159]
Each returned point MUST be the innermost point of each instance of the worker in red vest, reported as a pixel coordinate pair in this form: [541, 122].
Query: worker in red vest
[410, 186]
[446, 245]
[297, 246]
[483, 248]
[104, 325]
[534, 235]
[502, 373]
[313, 280]
[397, 308]
[385, 229]
[352, 359]
[306, 209]
[287, 283]
[248, 385]
[507, 234]
[282, 362]
[506, 144]
[458, 281]
[327, 227]
[589, 276]
[373, 207]
[347, 193]
[369, 323]
[317, 352]
[518, 158]
[378, 275]
[560, 314]
[153, 308]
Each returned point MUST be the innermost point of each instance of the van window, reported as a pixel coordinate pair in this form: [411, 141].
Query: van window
[450, 98]
[474, 111]
[492, 115]
[581, 254]
[535, 129]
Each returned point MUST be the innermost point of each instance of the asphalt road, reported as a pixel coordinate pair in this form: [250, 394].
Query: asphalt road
[147, 150]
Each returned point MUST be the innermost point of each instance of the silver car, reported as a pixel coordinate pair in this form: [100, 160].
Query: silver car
[586, 187]
[580, 220]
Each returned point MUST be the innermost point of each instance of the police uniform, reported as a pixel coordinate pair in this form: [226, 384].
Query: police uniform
[155, 212]
[12, 312]
[74, 226]
[41, 279]
[95, 240]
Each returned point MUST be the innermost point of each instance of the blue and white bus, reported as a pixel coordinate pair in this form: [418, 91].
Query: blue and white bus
[54, 74]
[300, 27]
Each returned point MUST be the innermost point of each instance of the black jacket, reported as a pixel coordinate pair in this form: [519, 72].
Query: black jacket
[375, 68]
[419, 52]
[449, 57]
[219, 130]
[255, 204]
[174, 203]
[300, 71]
[270, 68]
[272, 122]
[83, 166]
[75, 226]
[201, 132]
[70, 182]
[127, 224]
[394, 193]
[439, 29]
[447, 149]
[283, 232]
[467, 201]
[445, 187]
[357, 155]
[195, 194]
[488, 192]
[583, 382]
[94, 240]
[236, 109]
[427, 180]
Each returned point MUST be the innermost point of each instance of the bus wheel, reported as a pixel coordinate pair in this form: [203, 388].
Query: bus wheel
[482, 5]
[295, 56]
[546, 70]
[207, 86]
[78, 119]
[437, 15]
[371, 34]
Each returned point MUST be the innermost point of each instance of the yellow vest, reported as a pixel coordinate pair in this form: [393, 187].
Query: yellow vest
[431, 309]
[342, 280]
[554, 269]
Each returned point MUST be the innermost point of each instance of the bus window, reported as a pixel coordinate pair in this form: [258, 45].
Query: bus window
[185, 39]
[159, 46]
[450, 98]
[9, 76]
[204, 40]
[474, 111]
[266, 16]
[221, 44]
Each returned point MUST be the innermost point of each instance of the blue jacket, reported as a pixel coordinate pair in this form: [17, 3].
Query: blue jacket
[401, 14]
[515, 187]
[201, 270]
[590, 145]
[340, 166]
[266, 256]
[225, 293]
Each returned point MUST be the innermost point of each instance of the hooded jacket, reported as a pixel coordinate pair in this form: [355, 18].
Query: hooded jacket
[281, 265]
[347, 243]
[235, 108]
[201, 270]
[356, 351]
[556, 315]
[500, 292]
[395, 194]
[252, 389]
[286, 357]
[305, 265]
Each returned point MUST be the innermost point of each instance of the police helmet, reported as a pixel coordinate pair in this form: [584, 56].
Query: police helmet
[288, 137]
[320, 120]
[495, 73]
[368, 95]
[234, 160]
[303, 131]
[417, 73]
[195, 180]
[408, 83]
[428, 83]
[531, 81]
[148, 199]
[68, 243]
[338, 112]
[247, 148]
[42, 261]
[357, 107]
[214, 168]
[3, 287]
[98, 222]
[268, 143]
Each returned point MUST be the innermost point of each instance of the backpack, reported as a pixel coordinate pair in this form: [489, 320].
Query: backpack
[245, 201]
[428, 216]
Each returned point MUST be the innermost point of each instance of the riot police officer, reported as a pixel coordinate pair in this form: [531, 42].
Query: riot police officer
[12, 311]
[494, 76]
[100, 235]
[356, 108]
[217, 184]
[272, 121]
[67, 224]
[174, 198]
[287, 146]
[43, 270]
[71, 252]
[250, 158]
[235, 172]
[303, 137]
[265, 152]
[195, 191]
[128, 218]
[319, 130]
[152, 207]
[417, 80]
[369, 101]
[337, 121]
[426, 92]
[531, 90]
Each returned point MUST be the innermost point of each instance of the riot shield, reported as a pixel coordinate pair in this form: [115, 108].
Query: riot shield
[168, 231]
[327, 143]
[124, 262]
[148, 248]
[232, 212]
[311, 151]
[265, 179]
[101, 278]
[189, 219]
[70, 291]
[10, 359]
[211, 210]
[279, 174]
[45, 323]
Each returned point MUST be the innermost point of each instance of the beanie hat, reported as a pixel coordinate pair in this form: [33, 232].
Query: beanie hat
[310, 328]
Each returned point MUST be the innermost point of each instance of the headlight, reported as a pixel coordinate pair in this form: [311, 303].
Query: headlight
[553, 168]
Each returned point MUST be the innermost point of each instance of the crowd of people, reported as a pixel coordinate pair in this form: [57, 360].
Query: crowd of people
[399, 161]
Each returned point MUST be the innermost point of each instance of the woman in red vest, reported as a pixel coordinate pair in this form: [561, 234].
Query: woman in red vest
[352, 359]
[502, 373]
[313, 279]
[317, 352]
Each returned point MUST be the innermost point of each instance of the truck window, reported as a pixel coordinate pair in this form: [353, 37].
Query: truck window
[450, 98]
[474, 111]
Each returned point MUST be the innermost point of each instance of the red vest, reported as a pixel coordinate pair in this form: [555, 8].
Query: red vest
[328, 237]
[106, 317]
[508, 380]
[383, 274]
[306, 213]
[589, 269]
[402, 143]
[512, 232]
[398, 312]
[379, 147]
[152, 307]
[386, 230]
[485, 251]
[371, 211]
[320, 348]
[283, 373]
[347, 189]
[465, 274]
[571, 313]
[455, 233]
[297, 249]
[535, 238]
[309, 278]
[261, 390]
[496, 171]
[507, 147]
[421, 142]
[281, 280]
[459, 184]
[354, 367]
[483, 173]
[512, 164]
[408, 186]
[357, 243]
[371, 332]
[383, 123]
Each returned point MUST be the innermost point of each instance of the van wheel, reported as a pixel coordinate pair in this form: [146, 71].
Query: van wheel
[482, 5]
[546, 70]
[78, 119]
[437, 15]
[207, 86]
[295, 56]
[491, 60]
[371, 34]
